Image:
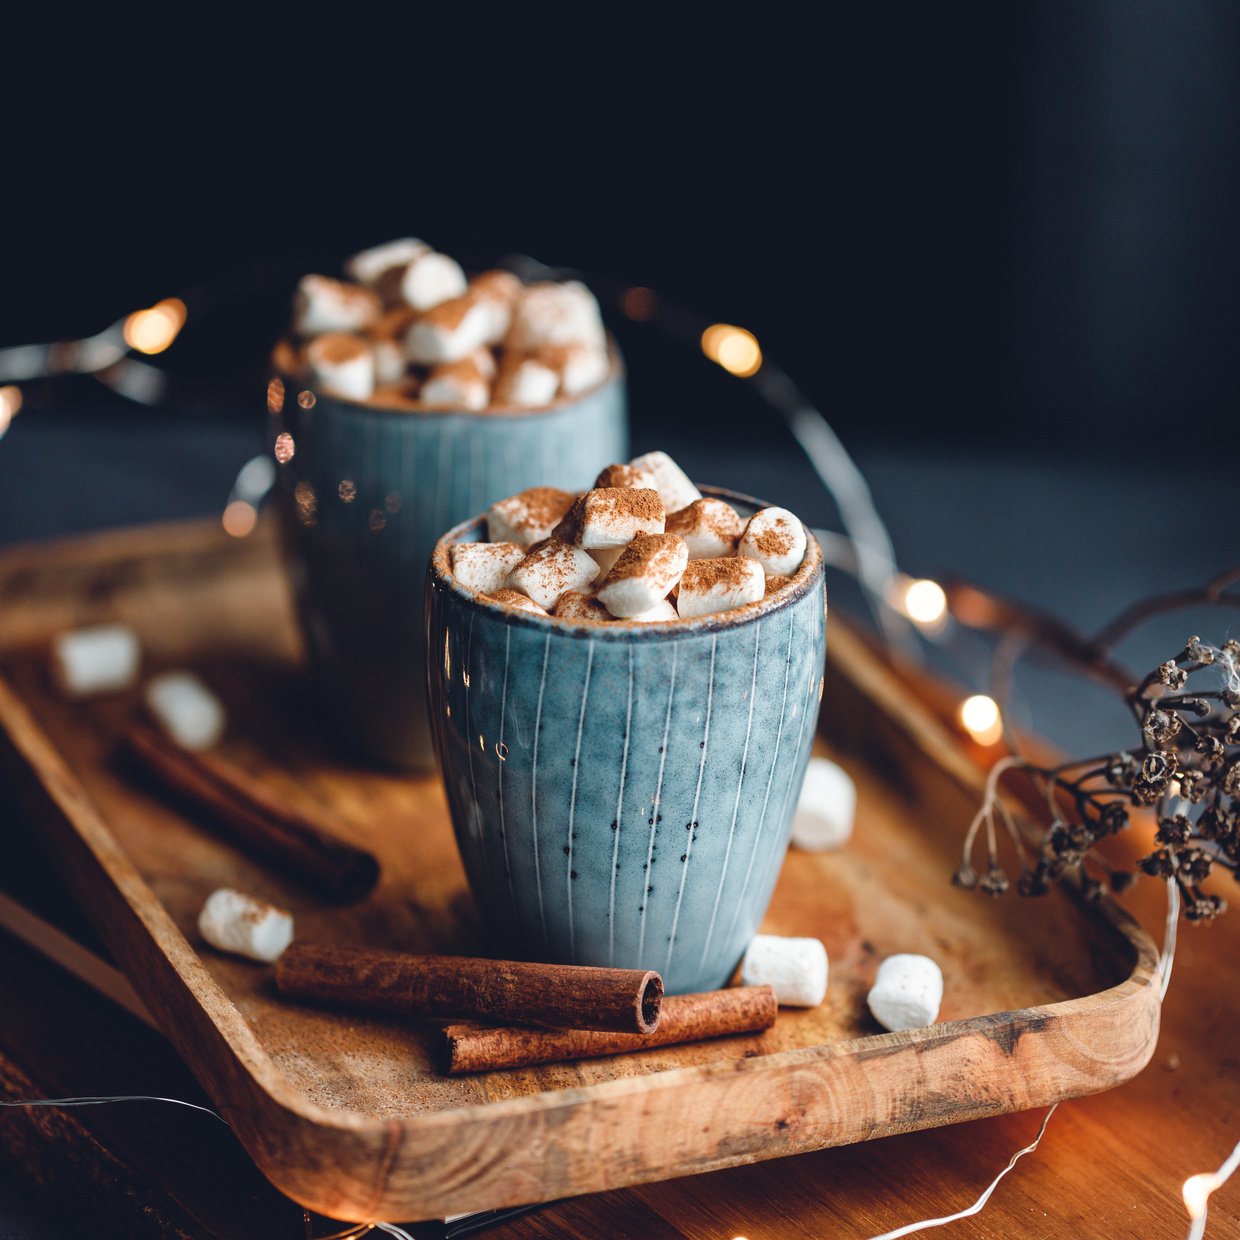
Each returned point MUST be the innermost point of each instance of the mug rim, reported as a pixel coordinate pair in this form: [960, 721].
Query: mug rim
[615, 374]
[807, 578]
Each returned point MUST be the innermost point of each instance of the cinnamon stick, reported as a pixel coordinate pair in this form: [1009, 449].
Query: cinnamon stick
[456, 987]
[254, 816]
[684, 1018]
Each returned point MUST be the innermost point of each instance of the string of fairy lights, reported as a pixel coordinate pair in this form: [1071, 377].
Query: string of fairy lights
[904, 607]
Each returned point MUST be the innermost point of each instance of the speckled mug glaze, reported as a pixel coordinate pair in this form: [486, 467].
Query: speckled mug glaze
[365, 494]
[622, 794]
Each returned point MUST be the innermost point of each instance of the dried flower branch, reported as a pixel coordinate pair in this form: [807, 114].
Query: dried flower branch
[1186, 768]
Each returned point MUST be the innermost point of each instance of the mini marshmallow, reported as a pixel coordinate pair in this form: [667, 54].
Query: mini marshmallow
[432, 278]
[795, 968]
[554, 314]
[776, 539]
[824, 816]
[389, 362]
[342, 365]
[501, 291]
[776, 583]
[369, 267]
[657, 614]
[529, 516]
[709, 527]
[186, 709]
[449, 332]
[578, 605]
[514, 598]
[580, 366]
[402, 395]
[626, 476]
[525, 382]
[646, 571]
[710, 586]
[673, 483]
[325, 305]
[240, 924]
[907, 992]
[485, 566]
[484, 359]
[550, 569]
[611, 516]
[101, 659]
[605, 557]
[457, 385]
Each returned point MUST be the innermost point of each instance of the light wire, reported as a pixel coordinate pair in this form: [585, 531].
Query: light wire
[976, 1208]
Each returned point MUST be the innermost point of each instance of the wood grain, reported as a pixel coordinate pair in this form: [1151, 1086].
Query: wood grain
[347, 1114]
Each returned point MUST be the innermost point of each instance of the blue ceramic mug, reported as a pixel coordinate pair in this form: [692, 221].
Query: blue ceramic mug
[365, 492]
[622, 794]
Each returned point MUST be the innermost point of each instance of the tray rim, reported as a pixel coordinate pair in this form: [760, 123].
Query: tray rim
[193, 1010]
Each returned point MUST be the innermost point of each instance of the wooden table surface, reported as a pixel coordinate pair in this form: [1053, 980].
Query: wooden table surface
[1109, 1166]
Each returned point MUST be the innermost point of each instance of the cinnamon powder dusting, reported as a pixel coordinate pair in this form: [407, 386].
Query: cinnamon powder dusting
[706, 574]
[647, 554]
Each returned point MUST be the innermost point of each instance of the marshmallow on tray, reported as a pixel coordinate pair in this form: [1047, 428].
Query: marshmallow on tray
[776, 539]
[525, 382]
[452, 330]
[796, 968]
[431, 278]
[824, 815]
[342, 364]
[485, 566]
[672, 482]
[326, 305]
[709, 527]
[185, 708]
[710, 586]
[240, 924]
[556, 314]
[457, 385]
[529, 516]
[100, 659]
[647, 570]
[370, 267]
[907, 992]
[517, 600]
[550, 569]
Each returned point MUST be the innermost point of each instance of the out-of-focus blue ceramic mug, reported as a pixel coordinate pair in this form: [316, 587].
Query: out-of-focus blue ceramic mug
[622, 794]
[366, 491]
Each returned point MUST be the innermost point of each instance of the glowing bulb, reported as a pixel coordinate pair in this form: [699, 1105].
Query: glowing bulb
[239, 518]
[979, 716]
[639, 304]
[153, 330]
[733, 348]
[924, 603]
[10, 403]
[1197, 1190]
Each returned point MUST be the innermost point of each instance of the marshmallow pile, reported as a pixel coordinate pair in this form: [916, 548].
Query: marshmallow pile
[642, 545]
[409, 330]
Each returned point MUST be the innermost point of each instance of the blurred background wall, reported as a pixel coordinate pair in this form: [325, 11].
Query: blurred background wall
[955, 224]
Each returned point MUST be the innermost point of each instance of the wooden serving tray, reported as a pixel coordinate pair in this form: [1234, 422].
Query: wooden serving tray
[346, 1114]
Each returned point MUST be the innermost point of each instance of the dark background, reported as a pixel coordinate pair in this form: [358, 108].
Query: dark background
[952, 223]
